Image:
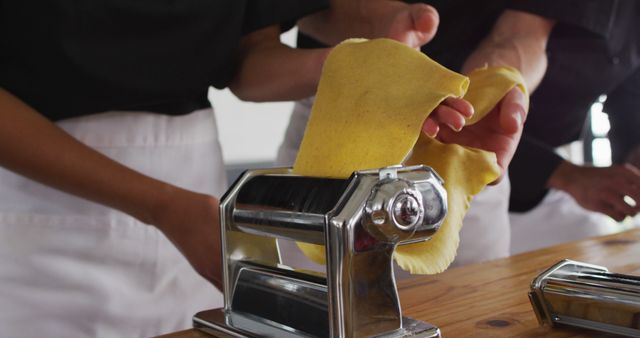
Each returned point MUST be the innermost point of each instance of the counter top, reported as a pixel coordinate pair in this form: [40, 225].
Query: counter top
[490, 299]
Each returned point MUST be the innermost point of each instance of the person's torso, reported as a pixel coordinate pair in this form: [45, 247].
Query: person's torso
[67, 58]
[106, 54]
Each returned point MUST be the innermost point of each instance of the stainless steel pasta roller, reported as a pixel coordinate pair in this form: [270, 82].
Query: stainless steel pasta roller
[359, 220]
[588, 296]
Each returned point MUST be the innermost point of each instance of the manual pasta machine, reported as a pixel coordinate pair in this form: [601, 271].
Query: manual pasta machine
[359, 220]
[583, 295]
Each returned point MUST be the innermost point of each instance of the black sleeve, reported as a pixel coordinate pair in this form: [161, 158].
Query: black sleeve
[263, 13]
[579, 71]
[594, 15]
[623, 108]
[531, 167]
[454, 41]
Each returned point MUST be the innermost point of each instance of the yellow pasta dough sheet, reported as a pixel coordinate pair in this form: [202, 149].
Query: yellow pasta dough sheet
[488, 85]
[465, 172]
[372, 100]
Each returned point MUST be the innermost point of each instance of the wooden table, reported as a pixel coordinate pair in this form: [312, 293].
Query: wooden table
[490, 299]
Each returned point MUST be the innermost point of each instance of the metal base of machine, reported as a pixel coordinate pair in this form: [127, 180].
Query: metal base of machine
[223, 324]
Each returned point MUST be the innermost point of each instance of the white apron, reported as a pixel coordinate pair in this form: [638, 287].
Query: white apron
[73, 268]
[485, 233]
[557, 219]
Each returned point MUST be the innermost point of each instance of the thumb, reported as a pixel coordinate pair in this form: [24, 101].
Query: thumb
[512, 111]
[425, 20]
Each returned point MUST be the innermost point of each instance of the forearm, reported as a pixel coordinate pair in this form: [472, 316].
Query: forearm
[32, 146]
[561, 176]
[271, 71]
[519, 40]
[315, 26]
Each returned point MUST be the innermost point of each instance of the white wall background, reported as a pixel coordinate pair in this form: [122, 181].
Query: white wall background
[250, 132]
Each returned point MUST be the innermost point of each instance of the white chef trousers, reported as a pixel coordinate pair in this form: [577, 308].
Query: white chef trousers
[73, 268]
[485, 233]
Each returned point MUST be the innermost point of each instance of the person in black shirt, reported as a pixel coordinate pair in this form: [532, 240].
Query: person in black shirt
[105, 101]
[592, 50]
[608, 63]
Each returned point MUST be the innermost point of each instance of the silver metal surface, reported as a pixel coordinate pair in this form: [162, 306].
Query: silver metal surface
[393, 210]
[407, 210]
[295, 226]
[230, 324]
[587, 296]
[360, 221]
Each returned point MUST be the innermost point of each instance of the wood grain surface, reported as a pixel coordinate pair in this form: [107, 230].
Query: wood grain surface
[490, 299]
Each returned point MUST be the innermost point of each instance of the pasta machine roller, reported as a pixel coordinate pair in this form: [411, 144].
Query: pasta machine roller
[577, 294]
[359, 220]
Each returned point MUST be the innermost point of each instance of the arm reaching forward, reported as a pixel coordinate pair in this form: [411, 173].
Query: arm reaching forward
[32, 146]
[518, 40]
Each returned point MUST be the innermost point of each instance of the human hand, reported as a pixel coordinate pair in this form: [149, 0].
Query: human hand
[634, 157]
[412, 24]
[451, 113]
[498, 132]
[192, 222]
[266, 65]
[600, 189]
